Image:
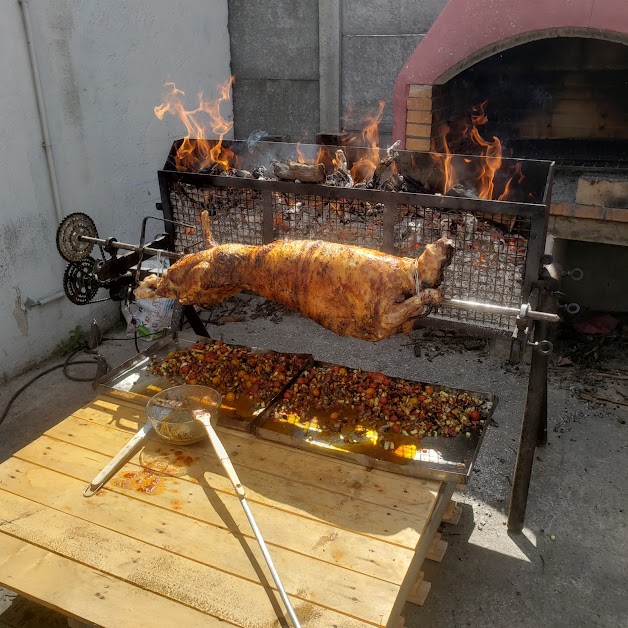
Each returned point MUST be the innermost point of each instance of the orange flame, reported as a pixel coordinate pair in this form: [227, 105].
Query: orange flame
[363, 169]
[448, 169]
[520, 177]
[196, 151]
[490, 151]
[300, 155]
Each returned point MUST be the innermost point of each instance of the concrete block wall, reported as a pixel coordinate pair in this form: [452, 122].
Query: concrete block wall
[378, 38]
[102, 66]
[280, 84]
[274, 58]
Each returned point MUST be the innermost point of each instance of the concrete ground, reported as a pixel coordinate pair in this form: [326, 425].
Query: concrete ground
[569, 566]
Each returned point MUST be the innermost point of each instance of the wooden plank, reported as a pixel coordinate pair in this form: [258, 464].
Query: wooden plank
[593, 212]
[437, 548]
[227, 550]
[418, 130]
[419, 91]
[421, 593]
[603, 191]
[307, 536]
[418, 144]
[84, 593]
[176, 578]
[410, 495]
[585, 230]
[419, 104]
[419, 117]
[290, 494]
[452, 513]
[412, 573]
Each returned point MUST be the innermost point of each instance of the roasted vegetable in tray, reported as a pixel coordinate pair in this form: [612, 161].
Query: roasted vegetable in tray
[358, 406]
[247, 380]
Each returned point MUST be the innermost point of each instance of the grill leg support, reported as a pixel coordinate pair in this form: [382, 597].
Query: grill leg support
[195, 322]
[533, 432]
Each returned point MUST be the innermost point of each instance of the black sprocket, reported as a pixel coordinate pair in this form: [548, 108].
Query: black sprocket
[80, 283]
[69, 246]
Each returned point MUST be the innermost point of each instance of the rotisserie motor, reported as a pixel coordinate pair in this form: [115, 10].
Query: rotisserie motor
[350, 290]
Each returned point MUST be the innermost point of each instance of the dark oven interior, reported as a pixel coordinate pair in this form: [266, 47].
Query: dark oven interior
[559, 98]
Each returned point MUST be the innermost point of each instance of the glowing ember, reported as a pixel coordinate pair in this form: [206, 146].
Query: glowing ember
[198, 151]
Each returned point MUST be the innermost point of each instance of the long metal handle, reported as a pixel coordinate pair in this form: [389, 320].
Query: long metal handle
[227, 465]
[117, 461]
[269, 562]
[490, 308]
[130, 247]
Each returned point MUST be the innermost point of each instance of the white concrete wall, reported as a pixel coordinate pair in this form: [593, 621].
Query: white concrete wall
[102, 65]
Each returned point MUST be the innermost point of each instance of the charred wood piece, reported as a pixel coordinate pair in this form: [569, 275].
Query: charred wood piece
[341, 177]
[242, 174]
[287, 170]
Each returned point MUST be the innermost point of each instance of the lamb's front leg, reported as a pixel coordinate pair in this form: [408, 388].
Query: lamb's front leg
[399, 313]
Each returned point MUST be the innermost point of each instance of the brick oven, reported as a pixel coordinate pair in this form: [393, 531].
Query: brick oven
[551, 79]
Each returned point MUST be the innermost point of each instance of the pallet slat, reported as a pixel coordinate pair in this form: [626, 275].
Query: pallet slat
[216, 593]
[79, 591]
[317, 503]
[229, 550]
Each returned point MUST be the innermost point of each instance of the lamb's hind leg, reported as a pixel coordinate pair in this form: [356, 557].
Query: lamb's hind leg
[399, 313]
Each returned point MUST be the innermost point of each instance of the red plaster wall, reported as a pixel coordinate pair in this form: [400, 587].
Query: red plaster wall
[469, 30]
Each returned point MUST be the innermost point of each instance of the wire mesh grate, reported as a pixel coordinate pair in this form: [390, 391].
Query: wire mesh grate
[488, 265]
[491, 248]
[236, 215]
[308, 217]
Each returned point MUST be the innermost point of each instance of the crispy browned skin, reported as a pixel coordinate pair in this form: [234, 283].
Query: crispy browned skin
[351, 290]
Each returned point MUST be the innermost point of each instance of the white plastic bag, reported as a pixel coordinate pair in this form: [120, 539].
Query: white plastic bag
[150, 318]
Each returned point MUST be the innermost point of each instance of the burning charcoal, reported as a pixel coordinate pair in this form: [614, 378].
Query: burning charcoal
[461, 192]
[215, 169]
[243, 174]
[394, 183]
[414, 186]
[259, 172]
[288, 170]
[391, 151]
[341, 177]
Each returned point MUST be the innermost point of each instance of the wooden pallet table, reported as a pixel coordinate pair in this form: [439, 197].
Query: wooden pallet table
[166, 542]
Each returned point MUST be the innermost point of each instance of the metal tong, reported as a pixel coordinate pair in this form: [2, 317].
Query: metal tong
[227, 465]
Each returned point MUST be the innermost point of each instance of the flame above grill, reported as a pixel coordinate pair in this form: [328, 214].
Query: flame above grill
[203, 149]
[200, 153]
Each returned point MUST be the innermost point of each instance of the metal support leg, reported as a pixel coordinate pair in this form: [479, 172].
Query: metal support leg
[533, 429]
[193, 318]
[541, 437]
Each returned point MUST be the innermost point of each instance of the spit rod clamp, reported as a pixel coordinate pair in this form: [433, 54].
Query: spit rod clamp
[544, 346]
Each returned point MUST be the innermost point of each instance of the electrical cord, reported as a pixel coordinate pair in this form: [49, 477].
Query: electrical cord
[64, 365]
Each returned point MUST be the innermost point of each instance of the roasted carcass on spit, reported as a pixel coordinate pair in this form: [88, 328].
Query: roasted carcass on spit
[351, 290]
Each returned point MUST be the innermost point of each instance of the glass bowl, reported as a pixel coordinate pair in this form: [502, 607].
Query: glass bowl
[171, 412]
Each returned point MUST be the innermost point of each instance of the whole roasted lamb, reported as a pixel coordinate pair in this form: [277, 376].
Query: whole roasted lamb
[352, 291]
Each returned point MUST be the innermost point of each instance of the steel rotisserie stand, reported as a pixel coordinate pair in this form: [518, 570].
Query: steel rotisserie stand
[172, 510]
[500, 282]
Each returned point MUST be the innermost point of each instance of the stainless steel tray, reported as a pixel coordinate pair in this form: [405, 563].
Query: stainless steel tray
[131, 380]
[447, 459]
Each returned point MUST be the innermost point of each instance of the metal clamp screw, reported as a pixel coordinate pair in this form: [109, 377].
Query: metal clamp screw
[572, 308]
[544, 346]
[575, 273]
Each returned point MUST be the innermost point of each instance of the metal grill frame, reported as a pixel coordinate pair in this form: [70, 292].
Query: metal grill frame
[536, 213]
